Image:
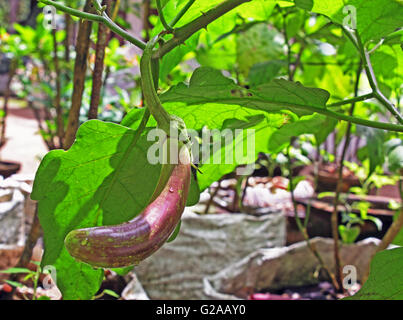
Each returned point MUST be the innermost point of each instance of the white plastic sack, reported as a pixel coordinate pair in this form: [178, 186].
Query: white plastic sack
[205, 245]
[292, 266]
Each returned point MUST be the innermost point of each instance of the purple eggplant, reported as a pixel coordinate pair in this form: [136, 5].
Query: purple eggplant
[131, 242]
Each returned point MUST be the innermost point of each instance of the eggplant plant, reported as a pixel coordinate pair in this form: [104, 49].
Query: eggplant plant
[291, 68]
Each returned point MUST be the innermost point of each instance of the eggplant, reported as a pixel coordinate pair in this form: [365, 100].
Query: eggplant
[131, 242]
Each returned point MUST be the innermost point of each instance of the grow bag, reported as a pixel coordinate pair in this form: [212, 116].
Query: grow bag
[280, 268]
[205, 245]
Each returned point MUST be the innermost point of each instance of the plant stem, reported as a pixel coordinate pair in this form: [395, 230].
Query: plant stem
[181, 13]
[80, 68]
[352, 100]
[334, 216]
[162, 17]
[374, 85]
[98, 18]
[151, 98]
[183, 33]
[371, 75]
[360, 121]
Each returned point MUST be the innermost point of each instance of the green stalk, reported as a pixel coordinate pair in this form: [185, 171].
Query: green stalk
[352, 100]
[162, 17]
[181, 13]
[151, 98]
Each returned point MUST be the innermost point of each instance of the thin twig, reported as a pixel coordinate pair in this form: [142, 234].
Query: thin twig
[356, 40]
[98, 18]
[352, 100]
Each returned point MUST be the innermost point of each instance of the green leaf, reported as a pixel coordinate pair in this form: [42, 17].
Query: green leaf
[194, 192]
[132, 120]
[375, 19]
[313, 124]
[209, 85]
[16, 270]
[122, 271]
[111, 293]
[174, 57]
[265, 72]
[211, 100]
[104, 179]
[175, 233]
[220, 55]
[326, 128]
[227, 157]
[349, 235]
[385, 281]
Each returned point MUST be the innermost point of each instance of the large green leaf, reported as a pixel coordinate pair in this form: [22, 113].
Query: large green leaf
[387, 62]
[211, 100]
[105, 178]
[209, 85]
[312, 124]
[375, 18]
[385, 281]
[220, 116]
[265, 72]
[242, 150]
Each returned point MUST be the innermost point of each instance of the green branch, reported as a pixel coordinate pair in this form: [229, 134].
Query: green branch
[181, 13]
[162, 17]
[324, 111]
[101, 18]
[373, 83]
[360, 121]
[356, 40]
[183, 33]
[352, 100]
